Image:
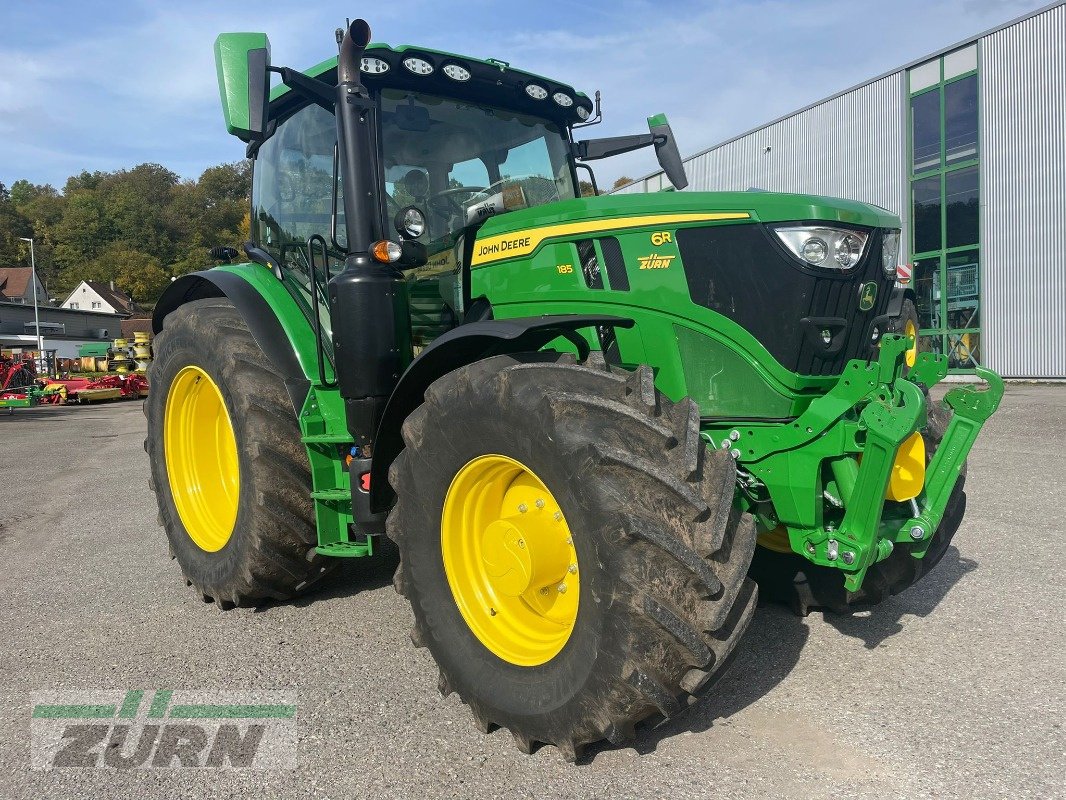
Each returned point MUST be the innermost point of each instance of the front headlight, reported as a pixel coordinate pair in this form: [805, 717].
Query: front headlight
[823, 246]
[890, 253]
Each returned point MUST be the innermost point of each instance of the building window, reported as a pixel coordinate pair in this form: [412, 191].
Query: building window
[74, 305]
[945, 193]
[96, 304]
[927, 214]
[960, 120]
[961, 207]
[925, 131]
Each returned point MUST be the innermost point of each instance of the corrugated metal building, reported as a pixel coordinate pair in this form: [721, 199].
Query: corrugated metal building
[968, 146]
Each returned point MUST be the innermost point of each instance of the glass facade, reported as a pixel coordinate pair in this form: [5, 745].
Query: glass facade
[945, 193]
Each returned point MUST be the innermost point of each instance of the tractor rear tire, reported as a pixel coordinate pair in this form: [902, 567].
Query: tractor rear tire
[792, 580]
[205, 355]
[660, 555]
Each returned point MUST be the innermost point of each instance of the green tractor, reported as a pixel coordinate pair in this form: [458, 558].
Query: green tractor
[593, 426]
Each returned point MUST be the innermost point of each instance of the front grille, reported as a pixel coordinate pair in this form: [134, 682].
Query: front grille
[739, 271]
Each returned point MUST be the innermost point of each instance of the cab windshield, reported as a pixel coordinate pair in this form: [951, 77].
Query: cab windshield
[459, 163]
[456, 162]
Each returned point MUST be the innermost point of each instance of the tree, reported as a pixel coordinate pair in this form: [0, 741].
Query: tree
[131, 270]
[80, 236]
[42, 208]
[23, 193]
[623, 181]
[136, 226]
[585, 188]
[134, 200]
[13, 226]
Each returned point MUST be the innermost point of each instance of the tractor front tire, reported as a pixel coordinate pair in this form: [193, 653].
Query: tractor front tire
[792, 580]
[570, 548]
[906, 324]
[229, 471]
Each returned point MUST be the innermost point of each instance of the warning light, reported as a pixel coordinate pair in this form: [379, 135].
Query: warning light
[364, 481]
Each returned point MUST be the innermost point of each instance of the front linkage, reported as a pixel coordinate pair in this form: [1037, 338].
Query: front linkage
[826, 478]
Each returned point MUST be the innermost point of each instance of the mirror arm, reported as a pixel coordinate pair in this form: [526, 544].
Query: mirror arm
[592, 149]
[318, 92]
[253, 146]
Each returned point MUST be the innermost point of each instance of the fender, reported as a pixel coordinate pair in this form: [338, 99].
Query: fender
[895, 302]
[466, 344]
[269, 311]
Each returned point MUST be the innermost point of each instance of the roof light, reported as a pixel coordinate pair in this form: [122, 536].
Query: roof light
[583, 112]
[536, 91]
[419, 66]
[563, 99]
[374, 66]
[456, 73]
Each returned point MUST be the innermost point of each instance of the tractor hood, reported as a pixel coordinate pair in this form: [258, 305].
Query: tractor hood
[598, 214]
[522, 232]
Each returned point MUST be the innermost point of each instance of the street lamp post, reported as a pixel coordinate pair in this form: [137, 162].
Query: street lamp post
[36, 313]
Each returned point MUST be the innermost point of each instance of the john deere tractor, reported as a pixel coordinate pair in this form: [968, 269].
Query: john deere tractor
[578, 418]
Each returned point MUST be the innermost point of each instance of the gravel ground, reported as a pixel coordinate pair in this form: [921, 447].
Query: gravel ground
[953, 689]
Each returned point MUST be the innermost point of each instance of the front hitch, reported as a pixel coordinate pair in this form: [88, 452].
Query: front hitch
[856, 430]
[971, 407]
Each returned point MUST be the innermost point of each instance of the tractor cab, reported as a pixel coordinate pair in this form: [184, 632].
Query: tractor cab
[452, 151]
[455, 141]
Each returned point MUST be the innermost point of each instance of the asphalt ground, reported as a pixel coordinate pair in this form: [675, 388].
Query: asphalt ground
[954, 689]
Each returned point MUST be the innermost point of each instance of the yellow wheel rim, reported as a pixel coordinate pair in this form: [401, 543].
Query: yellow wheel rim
[912, 352]
[510, 560]
[776, 540]
[201, 457]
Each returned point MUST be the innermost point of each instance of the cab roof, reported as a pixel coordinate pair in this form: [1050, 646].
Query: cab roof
[487, 81]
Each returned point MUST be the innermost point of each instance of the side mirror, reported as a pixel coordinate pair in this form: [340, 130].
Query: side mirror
[242, 60]
[666, 151]
[660, 136]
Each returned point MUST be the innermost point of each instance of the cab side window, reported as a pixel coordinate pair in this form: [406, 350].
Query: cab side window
[292, 185]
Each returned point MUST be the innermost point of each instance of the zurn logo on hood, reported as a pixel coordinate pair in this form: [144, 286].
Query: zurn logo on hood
[163, 729]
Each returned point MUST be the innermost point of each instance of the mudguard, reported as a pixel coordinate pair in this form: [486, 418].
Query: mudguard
[268, 310]
[464, 345]
[895, 302]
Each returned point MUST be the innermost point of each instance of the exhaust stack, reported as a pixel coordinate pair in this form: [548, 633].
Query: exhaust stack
[368, 299]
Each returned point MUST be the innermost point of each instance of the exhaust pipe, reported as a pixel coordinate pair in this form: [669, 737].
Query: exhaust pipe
[354, 118]
[368, 300]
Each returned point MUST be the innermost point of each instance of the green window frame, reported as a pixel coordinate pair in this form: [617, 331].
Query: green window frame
[949, 300]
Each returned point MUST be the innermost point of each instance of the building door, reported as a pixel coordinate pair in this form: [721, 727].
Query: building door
[945, 243]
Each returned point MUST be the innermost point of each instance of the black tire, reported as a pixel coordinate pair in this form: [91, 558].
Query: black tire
[271, 552]
[664, 596]
[794, 581]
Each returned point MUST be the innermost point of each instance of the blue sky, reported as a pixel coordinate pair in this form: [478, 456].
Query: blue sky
[107, 84]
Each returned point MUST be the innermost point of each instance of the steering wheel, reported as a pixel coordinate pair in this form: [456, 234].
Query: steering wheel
[444, 202]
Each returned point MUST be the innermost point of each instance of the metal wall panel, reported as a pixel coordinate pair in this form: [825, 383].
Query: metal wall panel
[849, 146]
[1023, 196]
